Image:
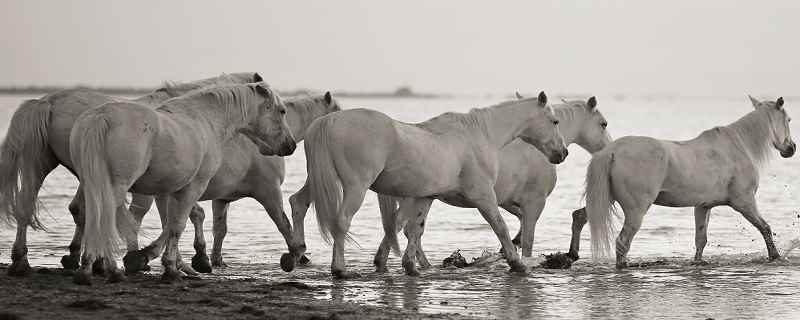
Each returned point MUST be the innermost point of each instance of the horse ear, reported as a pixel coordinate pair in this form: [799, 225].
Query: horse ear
[263, 91]
[257, 77]
[591, 103]
[755, 102]
[519, 96]
[779, 103]
[542, 99]
[328, 98]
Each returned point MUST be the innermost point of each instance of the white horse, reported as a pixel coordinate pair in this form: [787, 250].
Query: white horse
[719, 167]
[452, 155]
[244, 172]
[37, 142]
[173, 151]
[525, 178]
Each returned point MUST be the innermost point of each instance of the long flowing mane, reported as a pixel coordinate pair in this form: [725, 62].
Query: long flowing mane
[475, 118]
[174, 89]
[752, 134]
[236, 99]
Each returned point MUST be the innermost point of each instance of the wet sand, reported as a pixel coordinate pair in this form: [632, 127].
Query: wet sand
[50, 294]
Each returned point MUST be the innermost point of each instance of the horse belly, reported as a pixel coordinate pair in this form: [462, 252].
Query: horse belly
[414, 182]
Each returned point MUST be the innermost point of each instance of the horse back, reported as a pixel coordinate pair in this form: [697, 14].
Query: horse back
[66, 106]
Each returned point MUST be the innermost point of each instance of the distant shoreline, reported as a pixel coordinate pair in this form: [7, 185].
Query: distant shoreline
[43, 90]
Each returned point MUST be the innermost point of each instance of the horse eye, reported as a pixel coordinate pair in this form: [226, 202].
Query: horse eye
[283, 111]
[555, 122]
[604, 124]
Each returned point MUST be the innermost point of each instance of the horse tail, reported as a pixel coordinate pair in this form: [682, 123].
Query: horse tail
[24, 157]
[600, 203]
[324, 181]
[389, 206]
[102, 236]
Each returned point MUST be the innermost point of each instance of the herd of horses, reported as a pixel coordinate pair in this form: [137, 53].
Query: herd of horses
[223, 139]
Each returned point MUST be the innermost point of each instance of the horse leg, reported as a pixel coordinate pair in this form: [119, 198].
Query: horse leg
[72, 261]
[353, 197]
[413, 230]
[531, 211]
[422, 259]
[517, 212]
[633, 221]
[578, 222]
[747, 207]
[269, 195]
[135, 261]
[200, 261]
[300, 202]
[220, 228]
[487, 205]
[140, 205]
[180, 206]
[389, 214]
[701, 215]
[19, 252]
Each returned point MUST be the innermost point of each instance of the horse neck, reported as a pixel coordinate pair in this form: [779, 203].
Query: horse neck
[752, 133]
[571, 121]
[506, 123]
[305, 112]
[225, 121]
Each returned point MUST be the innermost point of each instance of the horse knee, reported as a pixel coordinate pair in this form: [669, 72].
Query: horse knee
[197, 215]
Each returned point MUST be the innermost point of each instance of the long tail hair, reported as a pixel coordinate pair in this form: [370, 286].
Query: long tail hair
[600, 208]
[326, 186]
[103, 230]
[25, 160]
[389, 207]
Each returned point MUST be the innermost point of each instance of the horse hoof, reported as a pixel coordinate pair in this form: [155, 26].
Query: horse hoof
[518, 267]
[412, 272]
[573, 255]
[287, 262]
[304, 260]
[70, 263]
[622, 265]
[216, 261]
[98, 267]
[699, 263]
[135, 261]
[171, 277]
[774, 257]
[381, 269]
[201, 264]
[188, 270]
[345, 275]
[116, 277]
[19, 268]
[424, 264]
[82, 279]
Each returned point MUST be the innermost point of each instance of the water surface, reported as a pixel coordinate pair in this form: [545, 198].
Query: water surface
[738, 283]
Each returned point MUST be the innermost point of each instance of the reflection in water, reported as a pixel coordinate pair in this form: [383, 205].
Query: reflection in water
[737, 283]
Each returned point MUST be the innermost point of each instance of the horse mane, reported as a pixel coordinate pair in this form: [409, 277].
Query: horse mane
[568, 111]
[234, 98]
[752, 133]
[475, 118]
[174, 89]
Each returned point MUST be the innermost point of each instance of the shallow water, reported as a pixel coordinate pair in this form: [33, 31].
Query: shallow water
[738, 283]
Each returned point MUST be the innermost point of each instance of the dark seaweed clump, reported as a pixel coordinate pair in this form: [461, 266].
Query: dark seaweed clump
[558, 260]
[455, 260]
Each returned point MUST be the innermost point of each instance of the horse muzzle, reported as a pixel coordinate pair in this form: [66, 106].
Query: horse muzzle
[556, 158]
[287, 148]
[789, 151]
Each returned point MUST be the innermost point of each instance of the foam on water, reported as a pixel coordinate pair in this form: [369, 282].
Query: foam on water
[737, 282]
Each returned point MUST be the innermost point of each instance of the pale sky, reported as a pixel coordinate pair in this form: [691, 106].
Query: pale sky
[638, 47]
